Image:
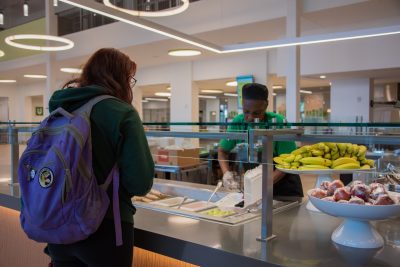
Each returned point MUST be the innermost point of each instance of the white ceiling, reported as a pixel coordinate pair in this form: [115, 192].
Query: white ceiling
[373, 13]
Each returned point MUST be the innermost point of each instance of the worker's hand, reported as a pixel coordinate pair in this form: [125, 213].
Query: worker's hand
[229, 181]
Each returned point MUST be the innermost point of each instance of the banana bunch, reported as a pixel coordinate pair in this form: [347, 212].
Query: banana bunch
[326, 155]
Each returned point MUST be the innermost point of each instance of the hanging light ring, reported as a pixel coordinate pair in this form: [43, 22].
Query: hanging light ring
[10, 40]
[169, 12]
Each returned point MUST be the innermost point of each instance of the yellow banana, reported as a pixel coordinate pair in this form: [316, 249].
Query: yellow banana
[355, 149]
[321, 146]
[355, 158]
[341, 161]
[366, 166]
[349, 149]
[295, 164]
[335, 156]
[289, 159]
[342, 148]
[283, 166]
[362, 150]
[297, 158]
[312, 167]
[284, 155]
[313, 161]
[347, 155]
[328, 162]
[317, 152]
[328, 156]
[279, 160]
[332, 146]
[347, 166]
[370, 162]
[300, 150]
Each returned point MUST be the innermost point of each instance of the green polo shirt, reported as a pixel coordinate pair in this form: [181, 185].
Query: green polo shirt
[279, 147]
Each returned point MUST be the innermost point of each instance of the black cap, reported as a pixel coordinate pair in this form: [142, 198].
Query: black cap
[255, 91]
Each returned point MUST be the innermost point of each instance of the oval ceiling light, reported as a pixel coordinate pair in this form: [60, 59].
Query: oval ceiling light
[212, 91]
[230, 94]
[208, 96]
[277, 87]
[35, 76]
[156, 99]
[232, 83]
[168, 12]
[71, 70]
[322, 76]
[10, 40]
[1, 53]
[162, 94]
[184, 52]
[8, 81]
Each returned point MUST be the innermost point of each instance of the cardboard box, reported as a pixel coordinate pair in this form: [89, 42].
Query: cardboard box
[185, 157]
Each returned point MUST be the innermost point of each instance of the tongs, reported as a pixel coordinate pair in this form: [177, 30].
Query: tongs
[215, 191]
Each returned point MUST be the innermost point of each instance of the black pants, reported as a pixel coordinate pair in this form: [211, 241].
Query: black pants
[97, 250]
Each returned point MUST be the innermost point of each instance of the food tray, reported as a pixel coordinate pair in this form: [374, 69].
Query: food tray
[198, 206]
[173, 201]
[217, 212]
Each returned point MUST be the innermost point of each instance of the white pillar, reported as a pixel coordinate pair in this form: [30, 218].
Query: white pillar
[137, 100]
[184, 105]
[293, 64]
[351, 98]
[51, 29]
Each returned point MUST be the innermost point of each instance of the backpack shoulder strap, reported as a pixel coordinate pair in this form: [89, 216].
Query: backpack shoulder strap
[86, 109]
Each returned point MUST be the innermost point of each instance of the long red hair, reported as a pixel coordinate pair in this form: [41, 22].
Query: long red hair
[111, 69]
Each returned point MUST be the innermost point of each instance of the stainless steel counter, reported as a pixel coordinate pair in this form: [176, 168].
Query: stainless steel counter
[303, 239]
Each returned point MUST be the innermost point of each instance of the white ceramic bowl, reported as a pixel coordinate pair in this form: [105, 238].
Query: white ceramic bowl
[356, 231]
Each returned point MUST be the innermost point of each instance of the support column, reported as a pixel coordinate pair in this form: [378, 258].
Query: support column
[293, 64]
[137, 100]
[184, 103]
[51, 29]
[350, 99]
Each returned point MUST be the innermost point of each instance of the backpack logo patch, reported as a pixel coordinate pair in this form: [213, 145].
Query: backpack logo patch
[46, 177]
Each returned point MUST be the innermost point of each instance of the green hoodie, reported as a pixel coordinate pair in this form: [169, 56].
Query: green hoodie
[115, 126]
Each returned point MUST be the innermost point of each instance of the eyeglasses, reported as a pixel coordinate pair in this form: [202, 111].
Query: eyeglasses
[132, 81]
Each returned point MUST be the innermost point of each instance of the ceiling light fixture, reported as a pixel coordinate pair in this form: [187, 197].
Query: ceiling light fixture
[26, 8]
[10, 41]
[55, 2]
[106, 11]
[277, 86]
[162, 94]
[35, 76]
[274, 94]
[164, 13]
[322, 76]
[230, 94]
[184, 52]
[1, 18]
[208, 96]
[8, 81]
[156, 99]
[1, 53]
[71, 70]
[231, 84]
[212, 91]
[306, 92]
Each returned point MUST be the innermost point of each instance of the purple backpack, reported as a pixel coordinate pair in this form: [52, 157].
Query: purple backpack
[62, 202]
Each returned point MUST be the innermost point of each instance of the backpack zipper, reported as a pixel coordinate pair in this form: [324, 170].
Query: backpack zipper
[68, 181]
[56, 130]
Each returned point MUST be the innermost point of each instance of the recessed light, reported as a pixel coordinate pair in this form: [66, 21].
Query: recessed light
[162, 94]
[71, 70]
[230, 94]
[232, 83]
[35, 76]
[212, 91]
[208, 96]
[328, 110]
[306, 92]
[8, 81]
[277, 86]
[322, 76]
[156, 99]
[330, 84]
[184, 52]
